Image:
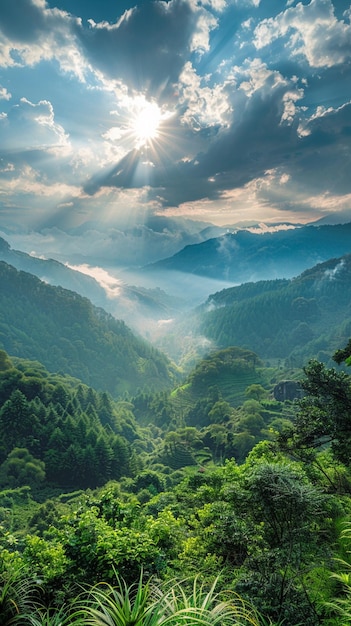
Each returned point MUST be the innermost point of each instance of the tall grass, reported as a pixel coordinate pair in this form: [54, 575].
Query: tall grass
[341, 605]
[144, 603]
[17, 598]
[147, 604]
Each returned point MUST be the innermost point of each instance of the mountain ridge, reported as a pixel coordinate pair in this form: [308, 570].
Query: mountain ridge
[244, 256]
[304, 317]
[132, 303]
[65, 331]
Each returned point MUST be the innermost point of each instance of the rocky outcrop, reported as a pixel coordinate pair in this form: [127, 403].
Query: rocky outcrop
[287, 390]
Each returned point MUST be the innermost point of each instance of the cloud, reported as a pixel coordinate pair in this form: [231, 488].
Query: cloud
[4, 94]
[256, 103]
[111, 284]
[204, 105]
[233, 147]
[29, 126]
[30, 32]
[311, 30]
[148, 46]
[34, 155]
[128, 243]
[332, 274]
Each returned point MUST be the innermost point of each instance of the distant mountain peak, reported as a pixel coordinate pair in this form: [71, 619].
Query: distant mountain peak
[248, 256]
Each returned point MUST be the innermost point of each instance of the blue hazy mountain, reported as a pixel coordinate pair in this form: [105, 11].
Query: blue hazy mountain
[245, 256]
[53, 272]
[136, 304]
[130, 240]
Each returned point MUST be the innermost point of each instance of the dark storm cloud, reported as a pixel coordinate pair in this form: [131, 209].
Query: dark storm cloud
[27, 21]
[324, 161]
[147, 48]
[316, 153]
[23, 20]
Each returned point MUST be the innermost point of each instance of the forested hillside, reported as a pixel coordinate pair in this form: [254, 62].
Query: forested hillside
[129, 303]
[53, 272]
[297, 319]
[173, 485]
[251, 498]
[54, 430]
[66, 333]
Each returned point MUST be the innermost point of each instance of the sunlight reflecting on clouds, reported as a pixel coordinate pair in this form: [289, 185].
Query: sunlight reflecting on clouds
[110, 284]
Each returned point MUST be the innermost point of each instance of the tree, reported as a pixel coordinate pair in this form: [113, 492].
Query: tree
[5, 361]
[256, 392]
[216, 438]
[281, 497]
[324, 413]
[16, 421]
[21, 468]
[289, 515]
[149, 480]
[221, 412]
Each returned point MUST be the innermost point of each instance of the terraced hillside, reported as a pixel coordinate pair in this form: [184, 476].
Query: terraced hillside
[226, 373]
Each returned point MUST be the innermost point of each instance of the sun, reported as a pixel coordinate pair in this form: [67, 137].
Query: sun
[145, 122]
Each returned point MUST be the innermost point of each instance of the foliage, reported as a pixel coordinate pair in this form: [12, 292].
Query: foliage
[323, 416]
[235, 361]
[340, 605]
[43, 616]
[21, 468]
[202, 492]
[17, 597]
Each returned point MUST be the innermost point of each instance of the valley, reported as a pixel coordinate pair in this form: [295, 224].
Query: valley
[175, 453]
[175, 313]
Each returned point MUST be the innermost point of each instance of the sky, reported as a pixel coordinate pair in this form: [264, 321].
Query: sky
[221, 111]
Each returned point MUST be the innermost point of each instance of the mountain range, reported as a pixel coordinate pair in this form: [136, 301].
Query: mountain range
[74, 323]
[128, 240]
[244, 256]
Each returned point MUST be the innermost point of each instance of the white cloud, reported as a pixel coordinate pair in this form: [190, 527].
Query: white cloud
[201, 38]
[329, 202]
[290, 109]
[328, 118]
[332, 274]
[205, 106]
[247, 3]
[110, 284]
[27, 181]
[254, 75]
[4, 94]
[31, 32]
[31, 125]
[313, 31]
